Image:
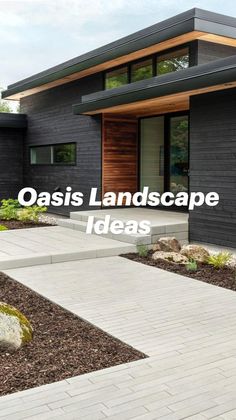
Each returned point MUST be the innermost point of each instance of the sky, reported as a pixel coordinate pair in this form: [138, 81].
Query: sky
[38, 34]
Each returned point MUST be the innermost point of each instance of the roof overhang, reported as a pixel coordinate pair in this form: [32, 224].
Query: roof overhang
[167, 93]
[8, 120]
[185, 27]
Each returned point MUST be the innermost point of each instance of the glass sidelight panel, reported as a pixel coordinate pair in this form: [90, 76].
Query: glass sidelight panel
[152, 153]
[179, 153]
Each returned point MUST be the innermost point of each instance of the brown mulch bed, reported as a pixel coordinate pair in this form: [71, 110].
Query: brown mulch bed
[17, 224]
[224, 277]
[63, 346]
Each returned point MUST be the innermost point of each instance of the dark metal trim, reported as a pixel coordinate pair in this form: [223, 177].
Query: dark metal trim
[197, 77]
[194, 19]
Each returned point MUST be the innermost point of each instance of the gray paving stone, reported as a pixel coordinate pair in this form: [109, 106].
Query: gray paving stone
[25, 414]
[130, 414]
[30, 247]
[186, 327]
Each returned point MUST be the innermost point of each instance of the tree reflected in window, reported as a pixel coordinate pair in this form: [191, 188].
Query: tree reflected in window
[116, 78]
[173, 61]
[141, 70]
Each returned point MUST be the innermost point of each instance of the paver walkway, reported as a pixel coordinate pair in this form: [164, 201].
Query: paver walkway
[47, 245]
[188, 328]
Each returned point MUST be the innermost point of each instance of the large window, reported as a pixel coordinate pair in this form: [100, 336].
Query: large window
[152, 153]
[57, 154]
[142, 70]
[164, 153]
[156, 65]
[173, 61]
[116, 78]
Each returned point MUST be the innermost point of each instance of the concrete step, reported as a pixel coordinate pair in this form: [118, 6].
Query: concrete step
[72, 224]
[156, 227]
[54, 244]
[83, 216]
[81, 225]
[173, 227]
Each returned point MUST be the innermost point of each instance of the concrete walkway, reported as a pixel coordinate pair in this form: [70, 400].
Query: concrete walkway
[47, 245]
[188, 328]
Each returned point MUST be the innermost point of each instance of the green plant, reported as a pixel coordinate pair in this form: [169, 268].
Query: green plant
[10, 202]
[142, 250]
[3, 228]
[32, 214]
[4, 105]
[219, 260]
[191, 265]
[11, 210]
[8, 209]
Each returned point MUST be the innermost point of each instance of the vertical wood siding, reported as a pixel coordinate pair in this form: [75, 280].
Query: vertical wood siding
[120, 155]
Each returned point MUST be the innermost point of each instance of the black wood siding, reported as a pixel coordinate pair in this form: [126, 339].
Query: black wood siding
[50, 121]
[213, 165]
[209, 51]
[11, 162]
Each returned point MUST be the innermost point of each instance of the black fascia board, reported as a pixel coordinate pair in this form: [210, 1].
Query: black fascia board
[8, 120]
[194, 19]
[206, 75]
[100, 55]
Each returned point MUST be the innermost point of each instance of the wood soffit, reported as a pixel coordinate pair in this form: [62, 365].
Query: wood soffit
[182, 39]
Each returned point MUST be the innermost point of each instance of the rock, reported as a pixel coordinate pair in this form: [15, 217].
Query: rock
[15, 329]
[167, 244]
[195, 252]
[174, 257]
[232, 262]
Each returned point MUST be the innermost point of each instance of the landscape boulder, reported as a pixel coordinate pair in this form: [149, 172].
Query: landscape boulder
[174, 257]
[168, 244]
[15, 329]
[195, 252]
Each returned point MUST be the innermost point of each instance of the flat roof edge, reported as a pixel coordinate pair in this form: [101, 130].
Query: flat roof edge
[111, 54]
[182, 23]
[206, 75]
[136, 36]
[8, 120]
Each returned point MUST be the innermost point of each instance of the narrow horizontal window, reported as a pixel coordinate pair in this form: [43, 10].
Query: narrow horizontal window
[141, 70]
[58, 154]
[116, 78]
[41, 155]
[173, 61]
[64, 154]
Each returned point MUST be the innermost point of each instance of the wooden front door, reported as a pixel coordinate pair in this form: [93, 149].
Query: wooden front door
[120, 154]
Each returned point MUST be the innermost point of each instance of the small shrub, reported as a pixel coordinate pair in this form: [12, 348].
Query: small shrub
[219, 260]
[191, 265]
[142, 250]
[2, 228]
[31, 214]
[10, 202]
[11, 210]
[8, 209]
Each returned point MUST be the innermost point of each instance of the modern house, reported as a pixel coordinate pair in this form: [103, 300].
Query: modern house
[156, 108]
